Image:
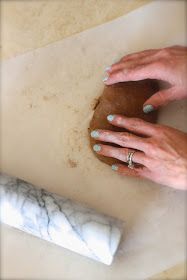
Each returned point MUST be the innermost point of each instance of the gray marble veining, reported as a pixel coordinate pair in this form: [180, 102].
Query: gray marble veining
[58, 220]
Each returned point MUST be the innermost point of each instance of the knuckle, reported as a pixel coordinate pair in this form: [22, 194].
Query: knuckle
[146, 143]
[124, 71]
[160, 130]
[151, 145]
[105, 132]
[166, 52]
[111, 152]
[106, 150]
[144, 160]
[121, 155]
[169, 60]
[135, 123]
[125, 136]
[154, 148]
[158, 64]
[147, 162]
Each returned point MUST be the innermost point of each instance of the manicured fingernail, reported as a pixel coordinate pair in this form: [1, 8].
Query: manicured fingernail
[110, 118]
[107, 68]
[114, 167]
[97, 148]
[94, 134]
[105, 79]
[148, 108]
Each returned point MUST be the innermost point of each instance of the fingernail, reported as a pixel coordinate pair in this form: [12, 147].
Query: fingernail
[107, 68]
[110, 118]
[148, 108]
[105, 79]
[97, 148]
[94, 134]
[114, 167]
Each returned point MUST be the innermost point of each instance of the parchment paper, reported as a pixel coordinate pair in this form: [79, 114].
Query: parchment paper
[47, 102]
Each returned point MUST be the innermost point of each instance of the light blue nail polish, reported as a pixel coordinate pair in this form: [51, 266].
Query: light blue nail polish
[97, 148]
[110, 118]
[94, 134]
[107, 68]
[105, 79]
[114, 167]
[148, 108]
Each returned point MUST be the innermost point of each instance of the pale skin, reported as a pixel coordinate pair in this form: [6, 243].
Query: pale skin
[161, 151]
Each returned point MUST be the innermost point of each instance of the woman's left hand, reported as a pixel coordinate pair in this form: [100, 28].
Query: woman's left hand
[161, 151]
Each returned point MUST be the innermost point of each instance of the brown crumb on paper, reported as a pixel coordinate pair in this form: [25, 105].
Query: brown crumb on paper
[72, 163]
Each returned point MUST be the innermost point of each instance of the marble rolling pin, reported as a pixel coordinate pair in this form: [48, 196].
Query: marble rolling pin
[58, 220]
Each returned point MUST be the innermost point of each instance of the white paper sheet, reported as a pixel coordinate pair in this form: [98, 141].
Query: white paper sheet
[47, 98]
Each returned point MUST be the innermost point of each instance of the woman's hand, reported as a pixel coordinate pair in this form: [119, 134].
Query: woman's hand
[168, 64]
[161, 151]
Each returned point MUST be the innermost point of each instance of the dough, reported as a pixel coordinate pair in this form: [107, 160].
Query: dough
[123, 98]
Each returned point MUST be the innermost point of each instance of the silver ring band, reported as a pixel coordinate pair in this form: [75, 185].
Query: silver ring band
[129, 159]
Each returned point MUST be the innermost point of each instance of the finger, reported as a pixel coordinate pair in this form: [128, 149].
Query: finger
[132, 61]
[126, 171]
[153, 70]
[133, 124]
[123, 139]
[119, 153]
[137, 55]
[170, 51]
[161, 98]
[115, 67]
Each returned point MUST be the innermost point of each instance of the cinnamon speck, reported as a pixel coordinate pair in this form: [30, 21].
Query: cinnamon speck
[72, 163]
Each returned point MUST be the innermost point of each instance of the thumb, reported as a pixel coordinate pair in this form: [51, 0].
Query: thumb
[160, 98]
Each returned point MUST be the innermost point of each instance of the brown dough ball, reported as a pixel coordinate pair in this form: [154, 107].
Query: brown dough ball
[123, 98]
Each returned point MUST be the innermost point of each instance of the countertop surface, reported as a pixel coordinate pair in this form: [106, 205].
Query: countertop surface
[24, 26]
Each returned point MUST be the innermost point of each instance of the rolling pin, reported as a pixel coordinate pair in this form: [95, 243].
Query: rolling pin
[58, 220]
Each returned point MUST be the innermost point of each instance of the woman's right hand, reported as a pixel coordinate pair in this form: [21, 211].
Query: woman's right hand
[160, 151]
[167, 64]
